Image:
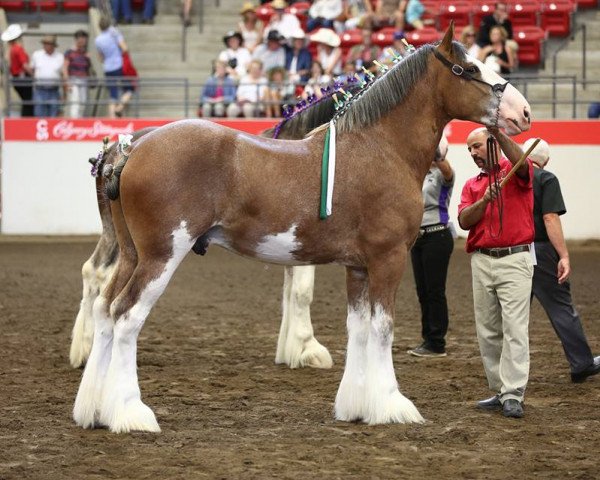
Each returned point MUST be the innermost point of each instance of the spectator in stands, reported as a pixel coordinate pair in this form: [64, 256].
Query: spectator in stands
[76, 70]
[497, 55]
[365, 52]
[278, 92]
[121, 10]
[317, 80]
[329, 52]
[594, 110]
[414, 12]
[20, 70]
[47, 65]
[235, 55]
[389, 13]
[271, 53]
[357, 13]
[250, 27]
[498, 17]
[250, 93]
[186, 12]
[323, 13]
[218, 93]
[398, 47]
[284, 23]
[148, 12]
[467, 38]
[297, 58]
[111, 46]
[349, 68]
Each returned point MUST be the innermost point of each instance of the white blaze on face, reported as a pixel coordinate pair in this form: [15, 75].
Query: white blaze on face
[279, 248]
[511, 114]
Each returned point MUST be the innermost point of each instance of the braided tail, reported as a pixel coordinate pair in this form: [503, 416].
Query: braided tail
[113, 177]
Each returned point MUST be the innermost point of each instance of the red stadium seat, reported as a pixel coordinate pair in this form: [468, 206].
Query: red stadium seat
[384, 37]
[300, 9]
[457, 10]
[531, 43]
[432, 12]
[587, 3]
[348, 39]
[524, 12]
[12, 5]
[137, 4]
[423, 36]
[556, 17]
[76, 5]
[479, 10]
[264, 13]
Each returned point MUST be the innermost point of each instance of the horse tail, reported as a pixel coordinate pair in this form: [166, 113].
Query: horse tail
[113, 177]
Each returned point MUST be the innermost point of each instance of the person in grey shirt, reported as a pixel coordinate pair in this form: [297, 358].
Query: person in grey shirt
[430, 256]
[550, 276]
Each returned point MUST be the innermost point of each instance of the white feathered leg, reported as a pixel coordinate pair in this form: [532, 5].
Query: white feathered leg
[297, 345]
[83, 330]
[87, 402]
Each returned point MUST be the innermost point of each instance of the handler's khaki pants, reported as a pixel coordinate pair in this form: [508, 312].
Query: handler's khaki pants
[501, 295]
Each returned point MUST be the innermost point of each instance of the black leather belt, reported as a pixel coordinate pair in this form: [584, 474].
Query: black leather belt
[432, 228]
[503, 252]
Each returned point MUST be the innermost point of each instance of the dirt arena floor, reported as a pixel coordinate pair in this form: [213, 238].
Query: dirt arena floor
[206, 367]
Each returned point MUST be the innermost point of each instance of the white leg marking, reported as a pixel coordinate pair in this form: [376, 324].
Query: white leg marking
[301, 348]
[280, 355]
[87, 403]
[122, 408]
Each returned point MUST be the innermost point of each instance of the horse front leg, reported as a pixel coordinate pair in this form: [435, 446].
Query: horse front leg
[297, 345]
[383, 401]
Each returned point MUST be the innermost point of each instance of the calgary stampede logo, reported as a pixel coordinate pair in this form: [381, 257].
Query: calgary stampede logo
[68, 130]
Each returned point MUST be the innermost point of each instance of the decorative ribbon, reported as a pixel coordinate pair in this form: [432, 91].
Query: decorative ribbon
[328, 173]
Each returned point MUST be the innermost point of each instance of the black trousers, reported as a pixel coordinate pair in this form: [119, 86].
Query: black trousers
[430, 258]
[26, 94]
[556, 301]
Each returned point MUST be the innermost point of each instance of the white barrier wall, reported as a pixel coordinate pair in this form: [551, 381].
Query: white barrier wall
[47, 187]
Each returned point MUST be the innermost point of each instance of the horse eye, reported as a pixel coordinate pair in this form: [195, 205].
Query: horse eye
[472, 69]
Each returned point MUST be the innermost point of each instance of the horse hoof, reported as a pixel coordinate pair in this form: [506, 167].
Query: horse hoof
[316, 355]
[134, 416]
[395, 409]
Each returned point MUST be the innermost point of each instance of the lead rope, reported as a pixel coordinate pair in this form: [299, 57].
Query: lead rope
[498, 203]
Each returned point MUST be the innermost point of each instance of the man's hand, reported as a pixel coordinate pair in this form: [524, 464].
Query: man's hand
[564, 270]
[493, 130]
[491, 193]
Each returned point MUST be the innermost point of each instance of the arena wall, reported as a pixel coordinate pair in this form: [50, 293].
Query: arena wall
[46, 187]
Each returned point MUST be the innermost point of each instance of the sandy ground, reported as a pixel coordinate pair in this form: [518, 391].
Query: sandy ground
[206, 367]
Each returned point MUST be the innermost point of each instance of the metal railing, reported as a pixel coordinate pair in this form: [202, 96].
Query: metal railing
[147, 94]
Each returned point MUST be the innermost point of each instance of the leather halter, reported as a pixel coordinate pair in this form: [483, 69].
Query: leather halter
[459, 71]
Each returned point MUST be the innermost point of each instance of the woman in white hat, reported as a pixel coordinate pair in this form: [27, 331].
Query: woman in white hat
[250, 27]
[20, 69]
[329, 53]
[284, 23]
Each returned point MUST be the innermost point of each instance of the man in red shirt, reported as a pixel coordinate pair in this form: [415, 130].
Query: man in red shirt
[502, 267]
[20, 70]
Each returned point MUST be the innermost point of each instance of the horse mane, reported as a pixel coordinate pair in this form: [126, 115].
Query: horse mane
[389, 90]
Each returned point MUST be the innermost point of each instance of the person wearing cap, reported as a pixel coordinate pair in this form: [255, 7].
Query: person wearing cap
[77, 69]
[501, 266]
[236, 56]
[250, 27]
[297, 58]
[47, 65]
[398, 47]
[322, 14]
[284, 23]
[270, 53]
[20, 70]
[551, 284]
[329, 53]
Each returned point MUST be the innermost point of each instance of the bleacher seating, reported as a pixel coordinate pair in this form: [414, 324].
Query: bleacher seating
[481, 8]
[384, 37]
[264, 13]
[348, 39]
[300, 9]
[423, 36]
[12, 5]
[524, 13]
[458, 10]
[45, 5]
[531, 44]
[587, 3]
[556, 17]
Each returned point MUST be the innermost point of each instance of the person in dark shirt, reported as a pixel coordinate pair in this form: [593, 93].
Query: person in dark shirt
[499, 17]
[550, 276]
[76, 70]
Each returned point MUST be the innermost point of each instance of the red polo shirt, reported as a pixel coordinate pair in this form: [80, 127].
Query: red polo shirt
[517, 221]
[18, 58]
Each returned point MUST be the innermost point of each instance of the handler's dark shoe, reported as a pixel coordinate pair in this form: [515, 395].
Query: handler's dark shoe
[512, 408]
[593, 369]
[423, 351]
[492, 403]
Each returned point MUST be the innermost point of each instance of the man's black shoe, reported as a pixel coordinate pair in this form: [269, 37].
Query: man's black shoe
[492, 403]
[593, 369]
[512, 408]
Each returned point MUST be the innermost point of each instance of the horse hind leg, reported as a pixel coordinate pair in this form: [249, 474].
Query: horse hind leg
[297, 345]
[122, 409]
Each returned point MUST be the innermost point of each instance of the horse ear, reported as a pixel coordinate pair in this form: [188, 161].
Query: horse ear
[446, 45]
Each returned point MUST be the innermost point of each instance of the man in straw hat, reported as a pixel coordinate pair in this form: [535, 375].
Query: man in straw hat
[284, 23]
[551, 273]
[20, 71]
[502, 267]
[47, 65]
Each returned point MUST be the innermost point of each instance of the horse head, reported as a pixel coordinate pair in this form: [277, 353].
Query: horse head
[473, 91]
